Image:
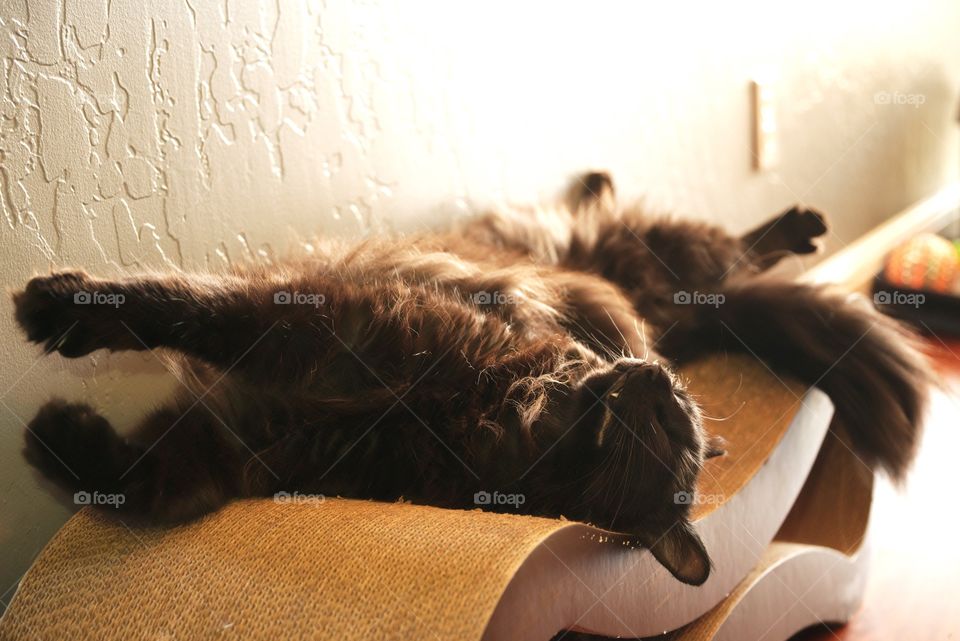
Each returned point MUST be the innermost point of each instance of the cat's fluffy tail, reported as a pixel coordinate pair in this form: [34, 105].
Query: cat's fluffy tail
[867, 363]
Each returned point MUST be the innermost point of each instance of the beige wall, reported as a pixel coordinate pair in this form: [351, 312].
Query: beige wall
[193, 134]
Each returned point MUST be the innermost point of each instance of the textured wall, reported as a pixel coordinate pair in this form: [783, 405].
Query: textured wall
[191, 134]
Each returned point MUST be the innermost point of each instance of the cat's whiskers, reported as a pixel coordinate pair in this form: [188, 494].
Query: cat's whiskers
[624, 486]
[626, 343]
[597, 344]
[725, 418]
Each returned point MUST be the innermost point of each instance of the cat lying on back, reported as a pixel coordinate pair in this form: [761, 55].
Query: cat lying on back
[526, 353]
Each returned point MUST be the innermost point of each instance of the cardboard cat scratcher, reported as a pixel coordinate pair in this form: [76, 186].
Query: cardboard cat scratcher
[783, 515]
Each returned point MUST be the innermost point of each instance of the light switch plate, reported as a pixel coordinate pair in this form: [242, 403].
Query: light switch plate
[766, 143]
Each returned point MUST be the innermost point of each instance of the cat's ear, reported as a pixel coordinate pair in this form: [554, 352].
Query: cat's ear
[682, 552]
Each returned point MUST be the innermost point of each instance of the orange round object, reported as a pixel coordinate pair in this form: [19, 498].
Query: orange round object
[925, 262]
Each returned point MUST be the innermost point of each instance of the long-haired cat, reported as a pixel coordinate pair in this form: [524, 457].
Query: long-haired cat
[512, 356]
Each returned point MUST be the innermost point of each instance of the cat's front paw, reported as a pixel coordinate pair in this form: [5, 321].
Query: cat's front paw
[64, 440]
[54, 312]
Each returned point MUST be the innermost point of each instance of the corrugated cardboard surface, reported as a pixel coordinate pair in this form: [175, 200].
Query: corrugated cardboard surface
[265, 570]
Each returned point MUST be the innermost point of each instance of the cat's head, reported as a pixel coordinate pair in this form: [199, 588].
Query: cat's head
[635, 440]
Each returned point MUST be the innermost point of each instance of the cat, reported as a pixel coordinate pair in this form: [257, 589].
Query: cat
[514, 355]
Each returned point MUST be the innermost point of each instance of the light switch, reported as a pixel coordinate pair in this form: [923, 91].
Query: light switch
[766, 145]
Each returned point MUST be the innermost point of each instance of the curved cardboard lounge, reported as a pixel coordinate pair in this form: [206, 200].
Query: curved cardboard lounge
[345, 569]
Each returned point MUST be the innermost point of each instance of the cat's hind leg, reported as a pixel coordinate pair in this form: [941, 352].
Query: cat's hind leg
[679, 244]
[593, 189]
[792, 232]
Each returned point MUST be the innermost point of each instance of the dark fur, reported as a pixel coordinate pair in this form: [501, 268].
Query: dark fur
[866, 362]
[407, 381]
[515, 355]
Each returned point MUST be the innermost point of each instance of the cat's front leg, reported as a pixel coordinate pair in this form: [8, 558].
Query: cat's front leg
[70, 313]
[178, 464]
[214, 318]
[287, 328]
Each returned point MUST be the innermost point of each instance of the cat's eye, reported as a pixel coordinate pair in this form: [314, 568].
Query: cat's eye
[661, 417]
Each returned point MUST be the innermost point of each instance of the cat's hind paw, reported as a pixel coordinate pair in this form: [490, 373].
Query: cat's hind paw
[800, 227]
[591, 190]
